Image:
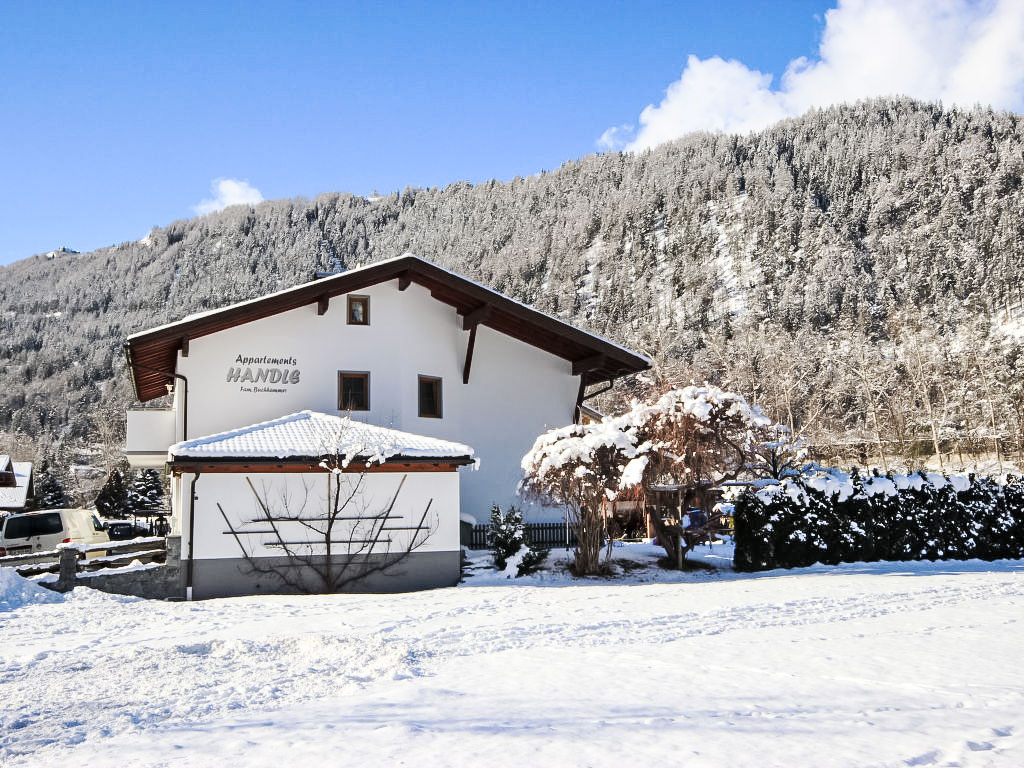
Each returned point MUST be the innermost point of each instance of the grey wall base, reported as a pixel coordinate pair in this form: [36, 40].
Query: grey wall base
[233, 577]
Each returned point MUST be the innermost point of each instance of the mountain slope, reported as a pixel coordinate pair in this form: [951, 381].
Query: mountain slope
[802, 264]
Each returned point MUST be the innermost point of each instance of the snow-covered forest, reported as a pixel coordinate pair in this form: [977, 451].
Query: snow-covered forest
[855, 271]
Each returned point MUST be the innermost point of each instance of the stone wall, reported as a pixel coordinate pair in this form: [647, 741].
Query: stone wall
[159, 582]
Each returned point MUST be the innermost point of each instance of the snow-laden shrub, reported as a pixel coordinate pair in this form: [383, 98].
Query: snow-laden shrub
[693, 436]
[510, 544]
[830, 516]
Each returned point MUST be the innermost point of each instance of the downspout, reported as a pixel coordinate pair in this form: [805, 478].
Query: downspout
[169, 374]
[191, 533]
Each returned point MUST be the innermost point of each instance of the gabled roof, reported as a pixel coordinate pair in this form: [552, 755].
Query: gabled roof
[152, 354]
[311, 436]
[13, 497]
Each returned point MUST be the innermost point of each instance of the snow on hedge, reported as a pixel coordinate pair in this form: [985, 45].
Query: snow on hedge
[839, 485]
[829, 516]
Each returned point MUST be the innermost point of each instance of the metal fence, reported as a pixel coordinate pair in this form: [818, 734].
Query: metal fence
[542, 535]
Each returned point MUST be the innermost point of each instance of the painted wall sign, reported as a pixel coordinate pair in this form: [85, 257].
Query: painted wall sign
[265, 370]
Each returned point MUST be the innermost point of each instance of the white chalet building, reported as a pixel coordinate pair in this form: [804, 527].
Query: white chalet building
[442, 371]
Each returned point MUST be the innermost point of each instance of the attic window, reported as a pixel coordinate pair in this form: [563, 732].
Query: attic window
[430, 397]
[353, 391]
[358, 310]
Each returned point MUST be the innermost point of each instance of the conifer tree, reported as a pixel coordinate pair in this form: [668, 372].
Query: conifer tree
[112, 500]
[146, 493]
[49, 490]
[508, 540]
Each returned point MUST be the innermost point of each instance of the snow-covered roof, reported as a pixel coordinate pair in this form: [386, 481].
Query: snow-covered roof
[309, 434]
[14, 497]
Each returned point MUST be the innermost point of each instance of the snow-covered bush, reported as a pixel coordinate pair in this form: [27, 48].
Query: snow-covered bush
[693, 436]
[830, 516]
[510, 544]
[146, 492]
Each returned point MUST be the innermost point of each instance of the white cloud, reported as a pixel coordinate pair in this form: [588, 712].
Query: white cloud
[616, 137]
[228, 192]
[959, 51]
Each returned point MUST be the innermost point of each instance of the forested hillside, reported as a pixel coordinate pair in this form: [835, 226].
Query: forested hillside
[857, 271]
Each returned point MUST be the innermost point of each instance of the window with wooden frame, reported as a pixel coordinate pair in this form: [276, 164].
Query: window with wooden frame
[353, 391]
[358, 310]
[430, 397]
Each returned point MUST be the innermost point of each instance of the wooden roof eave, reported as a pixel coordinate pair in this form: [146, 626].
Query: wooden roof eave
[312, 464]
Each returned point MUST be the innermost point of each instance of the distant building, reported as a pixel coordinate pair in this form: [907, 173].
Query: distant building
[15, 484]
[62, 251]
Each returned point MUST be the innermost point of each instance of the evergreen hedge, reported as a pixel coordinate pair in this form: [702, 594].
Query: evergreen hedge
[832, 517]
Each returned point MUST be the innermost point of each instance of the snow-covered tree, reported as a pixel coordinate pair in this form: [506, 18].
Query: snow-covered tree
[510, 543]
[579, 467]
[693, 437]
[48, 490]
[146, 493]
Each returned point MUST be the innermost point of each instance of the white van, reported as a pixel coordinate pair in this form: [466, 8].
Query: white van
[44, 529]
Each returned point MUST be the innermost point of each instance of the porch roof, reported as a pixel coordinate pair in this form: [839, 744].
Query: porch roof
[316, 437]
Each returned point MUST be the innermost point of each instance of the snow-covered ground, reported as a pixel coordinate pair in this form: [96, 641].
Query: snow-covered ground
[880, 664]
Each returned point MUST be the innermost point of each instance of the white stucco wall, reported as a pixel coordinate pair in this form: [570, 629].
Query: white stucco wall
[307, 495]
[515, 392]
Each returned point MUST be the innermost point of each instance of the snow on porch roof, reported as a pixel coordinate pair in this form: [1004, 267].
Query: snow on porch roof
[313, 435]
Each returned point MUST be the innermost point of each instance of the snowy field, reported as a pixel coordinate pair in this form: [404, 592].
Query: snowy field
[859, 665]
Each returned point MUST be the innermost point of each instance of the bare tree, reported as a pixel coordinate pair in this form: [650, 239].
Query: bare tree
[330, 544]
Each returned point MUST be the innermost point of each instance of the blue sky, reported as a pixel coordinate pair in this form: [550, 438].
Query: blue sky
[119, 116]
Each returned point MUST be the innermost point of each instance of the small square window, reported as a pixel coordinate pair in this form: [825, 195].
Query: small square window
[358, 310]
[353, 391]
[430, 397]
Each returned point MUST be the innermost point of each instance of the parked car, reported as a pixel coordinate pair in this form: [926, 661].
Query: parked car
[44, 529]
[122, 530]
